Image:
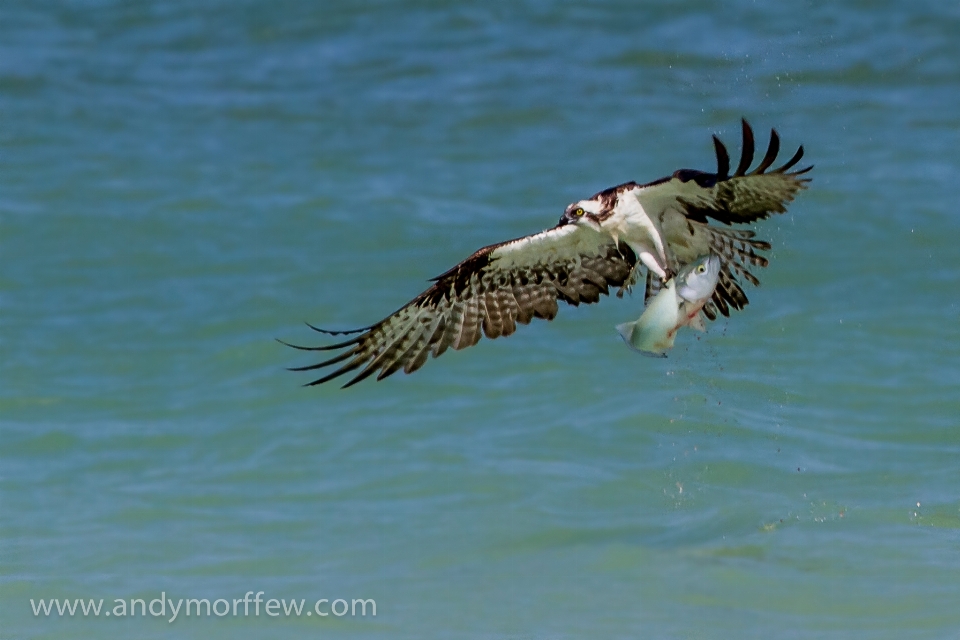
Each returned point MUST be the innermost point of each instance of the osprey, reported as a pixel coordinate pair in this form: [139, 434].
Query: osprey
[599, 242]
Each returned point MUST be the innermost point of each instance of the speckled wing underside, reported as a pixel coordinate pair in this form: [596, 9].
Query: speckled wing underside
[486, 294]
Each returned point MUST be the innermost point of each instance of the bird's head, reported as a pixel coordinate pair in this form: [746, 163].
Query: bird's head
[583, 212]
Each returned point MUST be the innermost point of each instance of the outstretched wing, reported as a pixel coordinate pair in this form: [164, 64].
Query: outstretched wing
[730, 199]
[488, 293]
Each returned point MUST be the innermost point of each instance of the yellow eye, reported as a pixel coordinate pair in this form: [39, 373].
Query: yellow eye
[579, 212]
[701, 269]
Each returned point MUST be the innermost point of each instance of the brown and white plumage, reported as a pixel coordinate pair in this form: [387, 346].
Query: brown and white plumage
[488, 293]
[598, 243]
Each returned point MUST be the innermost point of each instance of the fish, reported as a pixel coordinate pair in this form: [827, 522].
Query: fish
[678, 304]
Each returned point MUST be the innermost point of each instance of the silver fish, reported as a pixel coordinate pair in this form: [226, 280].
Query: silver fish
[678, 304]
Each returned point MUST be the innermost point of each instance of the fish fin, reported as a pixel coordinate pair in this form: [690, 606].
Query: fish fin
[626, 331]
[697, 323]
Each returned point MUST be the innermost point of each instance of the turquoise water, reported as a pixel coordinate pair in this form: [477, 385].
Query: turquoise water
[182, 183]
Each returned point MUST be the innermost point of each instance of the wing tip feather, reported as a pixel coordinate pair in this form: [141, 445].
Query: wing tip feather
[792, 161]
[747, 150]
[340, 332]
[723, 159]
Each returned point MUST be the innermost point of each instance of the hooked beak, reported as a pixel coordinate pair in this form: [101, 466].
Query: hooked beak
[587, 219]
[569, 217]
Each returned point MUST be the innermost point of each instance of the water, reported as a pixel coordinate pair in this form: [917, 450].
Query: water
[182, 183]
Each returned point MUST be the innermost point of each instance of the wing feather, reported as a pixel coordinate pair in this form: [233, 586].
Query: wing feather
[493, 315]
[508, 305]
[525, 295]
[470, 325]
[772, 150]
[418, 354]
[382, 357]
[486, 294]
[326, 363]
[452, 316]
[746, 154]
[404, 354]
[723, 158]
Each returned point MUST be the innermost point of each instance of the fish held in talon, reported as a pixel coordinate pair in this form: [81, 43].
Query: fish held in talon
[678, 304]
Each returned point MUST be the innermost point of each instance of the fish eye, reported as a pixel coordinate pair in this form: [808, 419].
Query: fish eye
[578, 212]
[701, 269]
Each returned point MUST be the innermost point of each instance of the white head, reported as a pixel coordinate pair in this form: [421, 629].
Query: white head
[583, 212]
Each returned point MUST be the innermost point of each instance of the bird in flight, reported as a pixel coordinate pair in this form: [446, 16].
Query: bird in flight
[599, 242]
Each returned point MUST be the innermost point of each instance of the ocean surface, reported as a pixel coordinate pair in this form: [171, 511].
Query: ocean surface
[183, 182]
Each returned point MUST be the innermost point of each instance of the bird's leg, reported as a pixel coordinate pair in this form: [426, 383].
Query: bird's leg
[648, 260]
